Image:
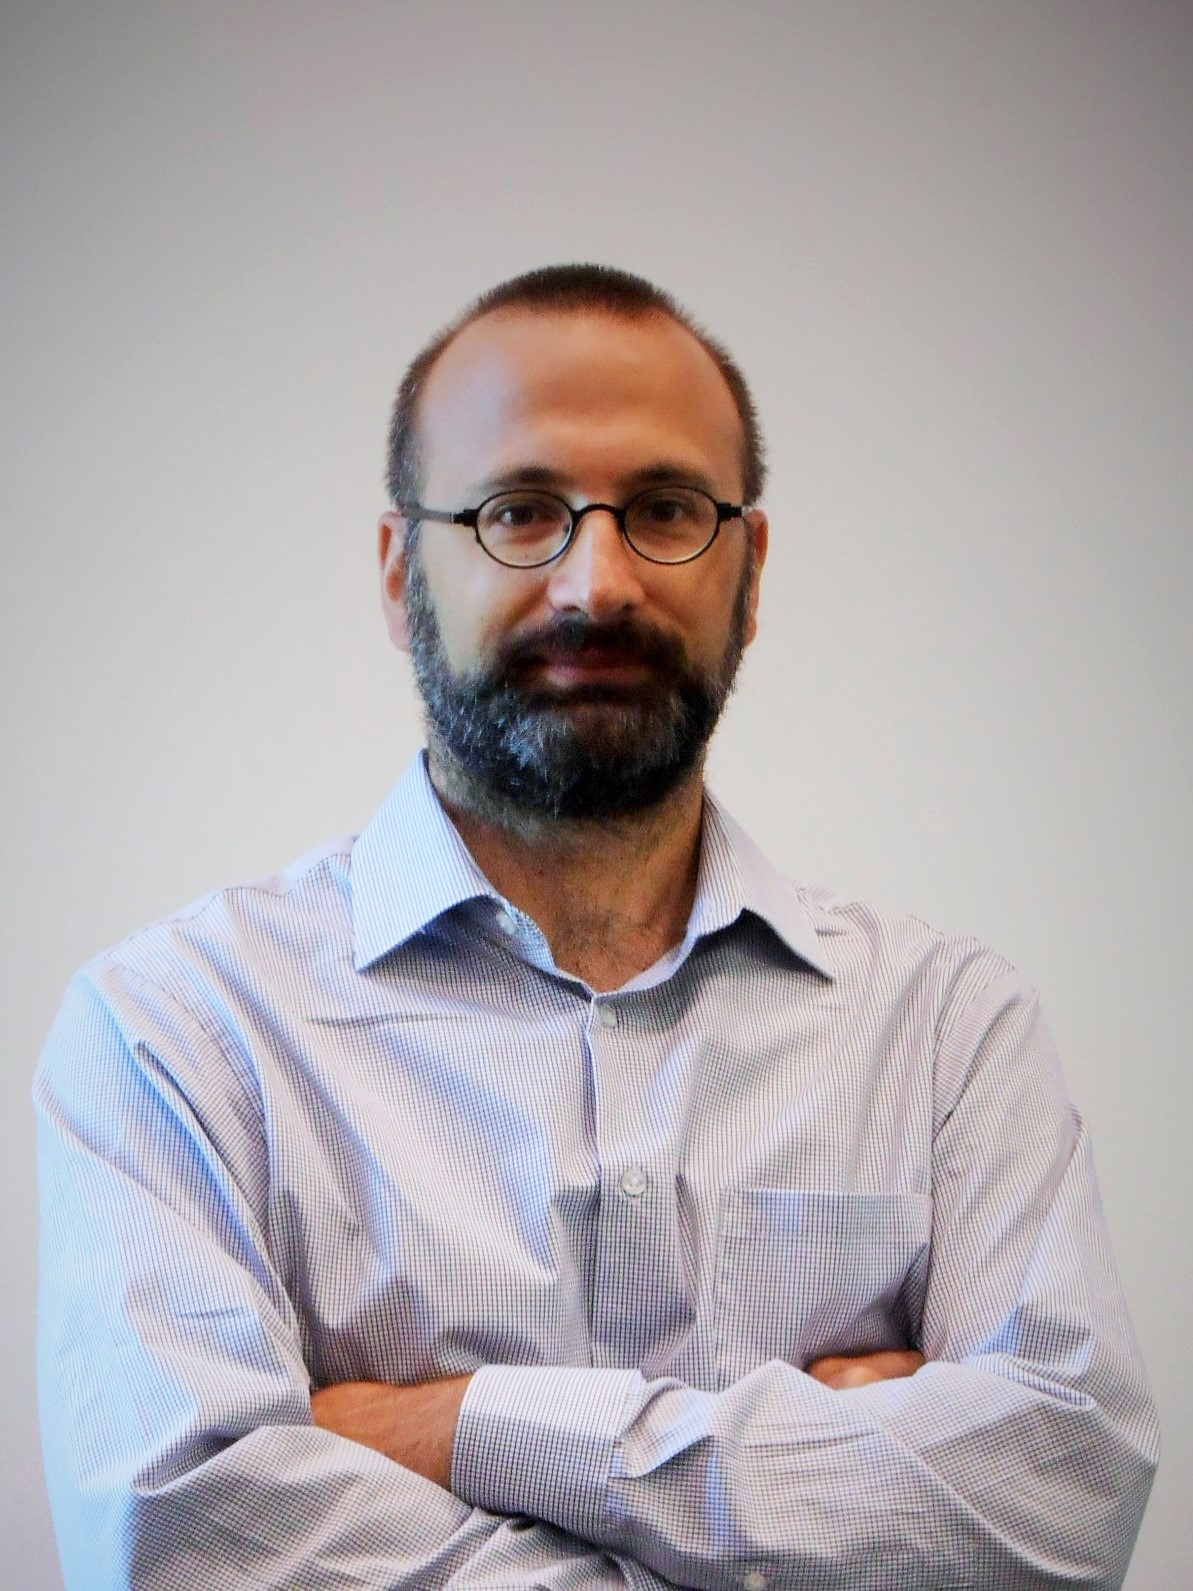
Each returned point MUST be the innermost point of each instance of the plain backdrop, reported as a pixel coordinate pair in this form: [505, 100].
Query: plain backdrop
[952, 245]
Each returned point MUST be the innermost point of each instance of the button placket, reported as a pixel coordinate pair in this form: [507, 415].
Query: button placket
[634, 1180]
[628, 1234]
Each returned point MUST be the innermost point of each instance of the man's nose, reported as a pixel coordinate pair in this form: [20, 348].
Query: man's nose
[599, 573]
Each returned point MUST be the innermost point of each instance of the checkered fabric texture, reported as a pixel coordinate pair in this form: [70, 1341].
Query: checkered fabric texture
[352, 1122]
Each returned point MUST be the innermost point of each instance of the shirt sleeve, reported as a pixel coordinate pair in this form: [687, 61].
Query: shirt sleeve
[175, 1401]
[1019, 1456]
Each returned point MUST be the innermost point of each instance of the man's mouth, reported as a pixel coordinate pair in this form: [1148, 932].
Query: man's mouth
[577, 662]
[588, 666]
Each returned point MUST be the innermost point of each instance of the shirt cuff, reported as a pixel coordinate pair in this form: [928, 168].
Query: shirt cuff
[538, 1440]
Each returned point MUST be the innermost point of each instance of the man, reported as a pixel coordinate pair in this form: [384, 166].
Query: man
[538, 1190]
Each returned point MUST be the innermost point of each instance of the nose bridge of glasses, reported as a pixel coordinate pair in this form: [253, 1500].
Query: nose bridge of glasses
[595, 540]
[580, 514]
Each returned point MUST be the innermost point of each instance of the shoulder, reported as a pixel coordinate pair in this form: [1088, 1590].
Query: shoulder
[862, 947]
[230, 948]
[859, 929]
[255, 915]
[874, 949]
[967, 1005]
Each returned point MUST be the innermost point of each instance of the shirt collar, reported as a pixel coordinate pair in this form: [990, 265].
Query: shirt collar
[409, 866]
[735, 877]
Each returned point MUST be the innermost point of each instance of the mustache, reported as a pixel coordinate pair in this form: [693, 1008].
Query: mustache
[573, 634]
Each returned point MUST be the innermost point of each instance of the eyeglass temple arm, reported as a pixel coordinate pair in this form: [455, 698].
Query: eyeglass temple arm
[466, 516]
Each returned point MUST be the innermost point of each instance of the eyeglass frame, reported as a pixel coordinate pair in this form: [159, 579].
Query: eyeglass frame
[471, 518]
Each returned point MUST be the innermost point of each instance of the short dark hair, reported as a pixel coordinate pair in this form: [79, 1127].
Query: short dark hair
[581, 288]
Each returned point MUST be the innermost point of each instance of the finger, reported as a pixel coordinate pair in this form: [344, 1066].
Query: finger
[837, 1370]
[896, 1362]
[854, 1375]
[826, 1369]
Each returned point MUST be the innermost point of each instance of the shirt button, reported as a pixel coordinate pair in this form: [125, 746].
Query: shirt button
[606, 1016]
[506, 923]
[633, 1182]
[753, 1581]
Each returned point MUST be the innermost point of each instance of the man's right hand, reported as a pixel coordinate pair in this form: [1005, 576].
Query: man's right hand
[413, 1425]
[842, 1370]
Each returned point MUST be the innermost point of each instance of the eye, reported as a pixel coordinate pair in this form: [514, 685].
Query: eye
[671, 507]
[519, 512]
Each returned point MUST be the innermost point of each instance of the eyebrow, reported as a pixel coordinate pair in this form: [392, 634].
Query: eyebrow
[661, 473]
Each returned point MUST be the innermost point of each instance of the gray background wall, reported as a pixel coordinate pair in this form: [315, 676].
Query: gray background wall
[952, 243]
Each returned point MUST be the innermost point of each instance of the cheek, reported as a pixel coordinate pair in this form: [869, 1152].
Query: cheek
[712, 613]
[475, 608]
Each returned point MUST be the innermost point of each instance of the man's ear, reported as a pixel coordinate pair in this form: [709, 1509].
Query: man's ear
[758, 533]
[391, 558]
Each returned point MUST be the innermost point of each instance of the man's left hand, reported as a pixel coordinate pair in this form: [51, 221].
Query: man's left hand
[844, 1370]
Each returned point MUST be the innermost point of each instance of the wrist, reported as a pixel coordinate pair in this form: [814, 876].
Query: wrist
[415, 1426]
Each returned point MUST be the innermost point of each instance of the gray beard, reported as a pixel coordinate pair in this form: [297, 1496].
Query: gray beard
[519, 751]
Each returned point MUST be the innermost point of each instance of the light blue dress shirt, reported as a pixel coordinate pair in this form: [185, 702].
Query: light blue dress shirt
[352, 1122]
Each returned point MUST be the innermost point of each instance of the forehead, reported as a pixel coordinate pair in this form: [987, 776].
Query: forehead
[587, 393]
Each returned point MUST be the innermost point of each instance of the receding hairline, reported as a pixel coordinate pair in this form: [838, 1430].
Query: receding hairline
[579, 312]
[630, 314]
[587, 292]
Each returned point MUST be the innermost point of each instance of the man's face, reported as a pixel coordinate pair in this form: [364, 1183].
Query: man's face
[589, 686]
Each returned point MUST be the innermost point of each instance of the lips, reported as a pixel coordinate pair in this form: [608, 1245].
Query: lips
[574, 676]
[575, 662]
[592, 661]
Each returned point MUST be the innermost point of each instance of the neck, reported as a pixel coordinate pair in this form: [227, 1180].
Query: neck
[610, 896]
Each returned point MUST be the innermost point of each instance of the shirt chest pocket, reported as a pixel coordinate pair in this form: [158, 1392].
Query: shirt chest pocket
[805, 1272]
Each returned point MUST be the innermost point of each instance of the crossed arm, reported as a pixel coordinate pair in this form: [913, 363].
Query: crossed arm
[415, 1426]
[183, 1444]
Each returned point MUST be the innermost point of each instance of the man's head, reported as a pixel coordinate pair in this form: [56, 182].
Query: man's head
[587, 686]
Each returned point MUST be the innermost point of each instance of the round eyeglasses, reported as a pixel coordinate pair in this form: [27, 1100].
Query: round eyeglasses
[524, 529]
